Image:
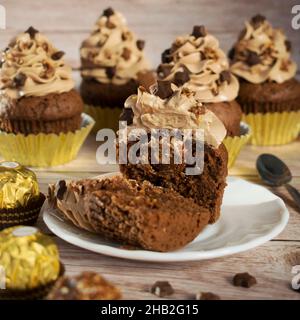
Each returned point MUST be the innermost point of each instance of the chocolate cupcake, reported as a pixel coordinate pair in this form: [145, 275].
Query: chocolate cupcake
[170, 108]
[197, 63]
[269, 93]
[112, 66]
[20, 198]
[31, 273]
[40, 110]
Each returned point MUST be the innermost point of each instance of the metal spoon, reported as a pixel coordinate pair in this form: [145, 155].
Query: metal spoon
[275, 172]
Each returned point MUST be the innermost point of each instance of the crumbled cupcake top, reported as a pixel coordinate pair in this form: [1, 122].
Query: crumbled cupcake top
[170, 107]
[196, 62]
[32, 66]
[112, 53]
[262, 53]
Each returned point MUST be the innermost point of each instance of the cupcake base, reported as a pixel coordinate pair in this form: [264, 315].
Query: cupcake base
[44, 150]
[22, 216]
[273, 128]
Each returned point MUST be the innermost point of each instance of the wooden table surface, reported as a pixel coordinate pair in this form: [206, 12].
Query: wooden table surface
[67, 23]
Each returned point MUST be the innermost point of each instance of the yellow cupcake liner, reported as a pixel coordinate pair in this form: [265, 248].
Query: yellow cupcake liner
[105, 117]
[236, 143]
[273, 128]
[44, 150]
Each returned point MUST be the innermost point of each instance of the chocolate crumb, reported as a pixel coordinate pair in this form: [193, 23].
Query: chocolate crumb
[62, 187]
[252, 58]
[181, 77]
[207, 296]
[127, 115]
[244, 280]
[166, 56]
[108, 12]
[164, 89]
[257, 20]
[288, 45]
[57, 55]
[19, 80]
[231, 53]
[126, 54]
[164, 70]
[110, 72]
[225, 76]
[140, 44]
[162, 289]
[199, 31]
[32, 32]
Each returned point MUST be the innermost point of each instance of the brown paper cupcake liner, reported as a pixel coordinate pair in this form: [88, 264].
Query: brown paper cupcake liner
[105, 117]
[27, 127]
[31, 294]
[21, 216]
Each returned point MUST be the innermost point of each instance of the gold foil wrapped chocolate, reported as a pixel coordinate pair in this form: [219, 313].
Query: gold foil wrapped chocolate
[18, 185]
[30, 258]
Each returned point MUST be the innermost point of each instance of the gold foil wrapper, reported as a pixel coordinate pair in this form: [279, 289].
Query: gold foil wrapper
[18, 185]
[30, 259]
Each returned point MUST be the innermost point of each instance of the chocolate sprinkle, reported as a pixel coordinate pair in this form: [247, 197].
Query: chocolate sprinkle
[181, 77]
[164, 70]
[140, 44]
[127, 115]
[244, 280]
[32, 32]
[19, 80]
[199, 31]
[62, 188]
[57, 55]
[252, 58]
[288, 45]
[108, 12]
[257, 20]
[164, 89]
[162, 289]
[110, 72]
[166, 56]
[225, 76]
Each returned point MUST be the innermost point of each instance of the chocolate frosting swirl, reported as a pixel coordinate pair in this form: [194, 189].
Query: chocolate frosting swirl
[112, 53]
[32, 66]
[196, 62]
[262, 53]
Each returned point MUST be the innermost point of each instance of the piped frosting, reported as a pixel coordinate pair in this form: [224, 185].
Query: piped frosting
[262, 53]
[112, 53]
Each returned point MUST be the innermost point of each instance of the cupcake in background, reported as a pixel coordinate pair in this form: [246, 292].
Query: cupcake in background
[41, 113]
[269, 93]
[197, 63]
[113, 65]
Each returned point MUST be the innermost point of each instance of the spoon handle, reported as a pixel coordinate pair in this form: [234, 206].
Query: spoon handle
[294, 193]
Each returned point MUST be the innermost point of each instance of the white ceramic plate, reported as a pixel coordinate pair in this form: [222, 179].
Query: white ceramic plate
[251, 215]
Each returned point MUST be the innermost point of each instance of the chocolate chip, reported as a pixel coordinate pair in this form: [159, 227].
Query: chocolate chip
[252, 58]
[126, 54]
[19, 80]
[162, 289]
[225, 76]
[62, 188]
[140, 44]
[181, 77]
[207, 296]
[166, 56]
[57, 55]
[164, 89]
[110, 72]
[164, 70]
[244, 280]
[257, 20]
[231, 53]
[32, 32]
[288, 45]
[127, 115]
[108, 12]
[199, 31]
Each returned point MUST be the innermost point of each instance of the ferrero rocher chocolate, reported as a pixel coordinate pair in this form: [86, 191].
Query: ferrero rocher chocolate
[30, 259]
[18, 185]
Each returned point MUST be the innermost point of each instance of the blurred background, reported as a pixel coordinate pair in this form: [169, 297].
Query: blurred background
[68, 22]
